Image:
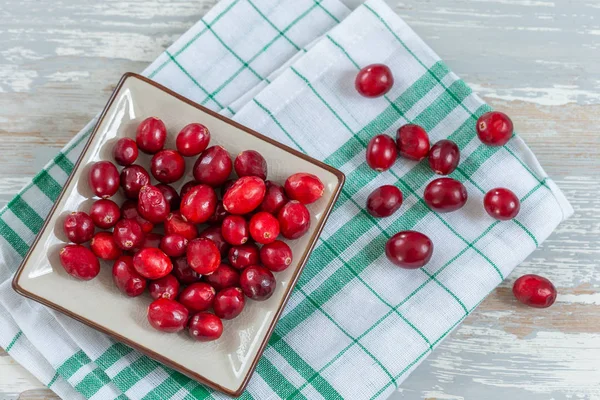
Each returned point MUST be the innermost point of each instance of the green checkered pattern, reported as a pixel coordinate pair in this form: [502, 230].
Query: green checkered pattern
[355, 326]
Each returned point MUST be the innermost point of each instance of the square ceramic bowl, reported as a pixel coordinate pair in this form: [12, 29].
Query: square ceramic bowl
[225, 364]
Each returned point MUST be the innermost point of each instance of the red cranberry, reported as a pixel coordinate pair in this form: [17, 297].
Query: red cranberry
[257, 282]
[381, 153]
[213, 167]
[79, 262]
[219, 215]
[176, 225]
[384, 201]
[173, 245]
[535, 291]
[128, 234]
[250, 163]
[187, 187]
[183, 272]
[264, 227]
[152, 205]
[229, 303]
[105, 213]
[166, 287]
[243, 256]
[223, 278]
[129, 211]
[205, 327]
[275, 198]
[445, 195]
[245, 195]
[125, 151]
[294, 220]
[167, 166]
[494, 128]
[203, 256]
[104, 179]
[192, 140]
[199, 204]
[306, 188]
[215, 233]
[502, 204]
[126, 277]
[276, 256]
[78, 227]
[152, 263]
[170, 194]
[409, 249]
[167, 315]
[225, 187]
[151, 239]
[151, 135]
[235, 230]
[374, 80]
[444, 157]
[104, 247]
[412, 142]
[197, 297]
[133, 178]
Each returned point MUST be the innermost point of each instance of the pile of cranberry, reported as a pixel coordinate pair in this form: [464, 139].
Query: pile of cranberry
[186, 270]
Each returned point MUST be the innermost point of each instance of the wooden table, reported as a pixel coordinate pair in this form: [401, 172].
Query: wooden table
[538, 60]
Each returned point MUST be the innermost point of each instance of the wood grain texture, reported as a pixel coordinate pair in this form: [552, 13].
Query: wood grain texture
[537, 60]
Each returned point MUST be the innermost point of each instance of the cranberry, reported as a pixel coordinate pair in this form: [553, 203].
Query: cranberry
[167, 287]
[79, 227]
[133, 178]
[104, 247]
[151, 135]
[129, 211]
[171, 195]
[203, 256]
[494, 128]
[152, 263]
[409, 249]
[225, 187]
[183, 272]
[306, 188]
[224, 277]
[79, 262]
[199, 204]
[213, 167]
[445, 195]
[173, 245]
[235, 230]
[128, 234]
[294, 220]
[412, 142]
[229, 303]
[264, 227]
[104, 179]
[167, 315]
[381, 153]
[275, 198]
[152, 205]
[125, 151]
[535, 291]
[444, 157]
[502, 204]
[245, 195]
[374, 80]
[257, 282]
[215, 233]
[197, 297]
[244, 255]
[250, 163]
[167, 166]
[105, 213]
[126, 277]
[205, 327]
[192, 140]
[384, 201]
[219, 215]
[276, 256]
[151, 239]
[187, 187]
[176, 225]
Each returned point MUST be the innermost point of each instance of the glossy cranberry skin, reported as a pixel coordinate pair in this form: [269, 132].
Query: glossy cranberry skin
[501, 204]
[167, 315]
[167, 166]
[412, 142]
[198, 297]
[257, 282]
[235, 230]
[152, 263]
[104, 179]
[187, 187]
[381, 153]
[105, 213]
[192, 140]
[245, 195]
[213, 167]
[151, 135]
[104, 247]
[173, 245]
[219, 215]
[384, 201]
[79, 227]
[276, 256]
[223, 278]
[133, 178]
[125, 151]
[79, 262]
[243, 256]
[128, 234]
[445, 195]
[205, 327]
[494, 128]
[444, 157]
[203, 256]
[229, 303]
[183, 272]
[374, 80]
[176, 225]
[535, 291]
[166, 287]
[294, 220]
[129, 211]
[264, 227]
[151, 239]
[250, 163]
[409, 249]
[225, 187]
[215, 233]
[303, 187]
[152, 205]
[275, 198]
[171, 195]
[126, 277]
[199, 204]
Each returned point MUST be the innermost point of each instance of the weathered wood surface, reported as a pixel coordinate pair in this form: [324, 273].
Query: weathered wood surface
[537, 60]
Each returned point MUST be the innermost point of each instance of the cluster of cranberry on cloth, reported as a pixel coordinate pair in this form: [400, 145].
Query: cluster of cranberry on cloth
[411, 249]
[187, 271]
